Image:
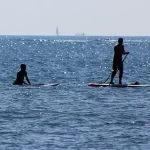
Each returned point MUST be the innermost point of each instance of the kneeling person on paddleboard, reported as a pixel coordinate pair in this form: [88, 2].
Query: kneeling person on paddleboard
[117, 60]
[20, 76]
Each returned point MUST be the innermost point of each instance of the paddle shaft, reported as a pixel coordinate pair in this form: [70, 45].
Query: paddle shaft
[117, 70]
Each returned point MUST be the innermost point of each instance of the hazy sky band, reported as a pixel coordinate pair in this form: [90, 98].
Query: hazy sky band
[92, 17]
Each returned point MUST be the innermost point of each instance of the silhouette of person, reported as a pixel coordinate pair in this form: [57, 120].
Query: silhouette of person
[20, 76]
[117, 60]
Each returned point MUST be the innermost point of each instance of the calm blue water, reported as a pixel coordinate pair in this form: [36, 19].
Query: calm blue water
[73, 115]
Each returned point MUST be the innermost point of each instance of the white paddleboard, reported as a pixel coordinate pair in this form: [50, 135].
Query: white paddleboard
[48, 84]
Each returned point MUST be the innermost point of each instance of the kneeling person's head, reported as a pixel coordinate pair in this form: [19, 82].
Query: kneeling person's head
[23, 67]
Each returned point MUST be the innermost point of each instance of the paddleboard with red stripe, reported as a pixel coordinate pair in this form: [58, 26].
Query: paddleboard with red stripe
[117, 85]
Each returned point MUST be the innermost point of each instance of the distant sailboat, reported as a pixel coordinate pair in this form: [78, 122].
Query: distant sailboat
[57, 31]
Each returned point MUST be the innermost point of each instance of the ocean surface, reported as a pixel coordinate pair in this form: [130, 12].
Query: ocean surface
[73, 115]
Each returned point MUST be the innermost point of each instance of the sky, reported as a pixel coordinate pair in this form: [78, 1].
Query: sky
[92, 17]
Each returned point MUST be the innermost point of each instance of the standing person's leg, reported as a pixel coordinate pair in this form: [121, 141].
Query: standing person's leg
[120, 68]
[114, 71]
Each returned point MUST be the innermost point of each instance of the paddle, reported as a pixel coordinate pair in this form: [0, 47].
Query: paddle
[117, 70]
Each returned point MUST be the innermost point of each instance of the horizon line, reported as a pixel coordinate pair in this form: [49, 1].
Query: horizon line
[76, 35]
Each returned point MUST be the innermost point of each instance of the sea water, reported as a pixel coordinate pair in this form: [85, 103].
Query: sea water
[73, 115]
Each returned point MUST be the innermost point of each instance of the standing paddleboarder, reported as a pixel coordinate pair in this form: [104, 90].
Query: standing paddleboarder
[117, 60]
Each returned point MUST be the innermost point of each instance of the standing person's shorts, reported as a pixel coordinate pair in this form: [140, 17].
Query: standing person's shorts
[118, 66]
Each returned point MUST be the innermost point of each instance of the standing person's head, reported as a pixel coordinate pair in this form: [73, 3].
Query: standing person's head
[120, 41]
[23, 67]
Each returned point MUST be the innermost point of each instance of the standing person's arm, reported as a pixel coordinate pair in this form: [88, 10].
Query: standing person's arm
[123, 51]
